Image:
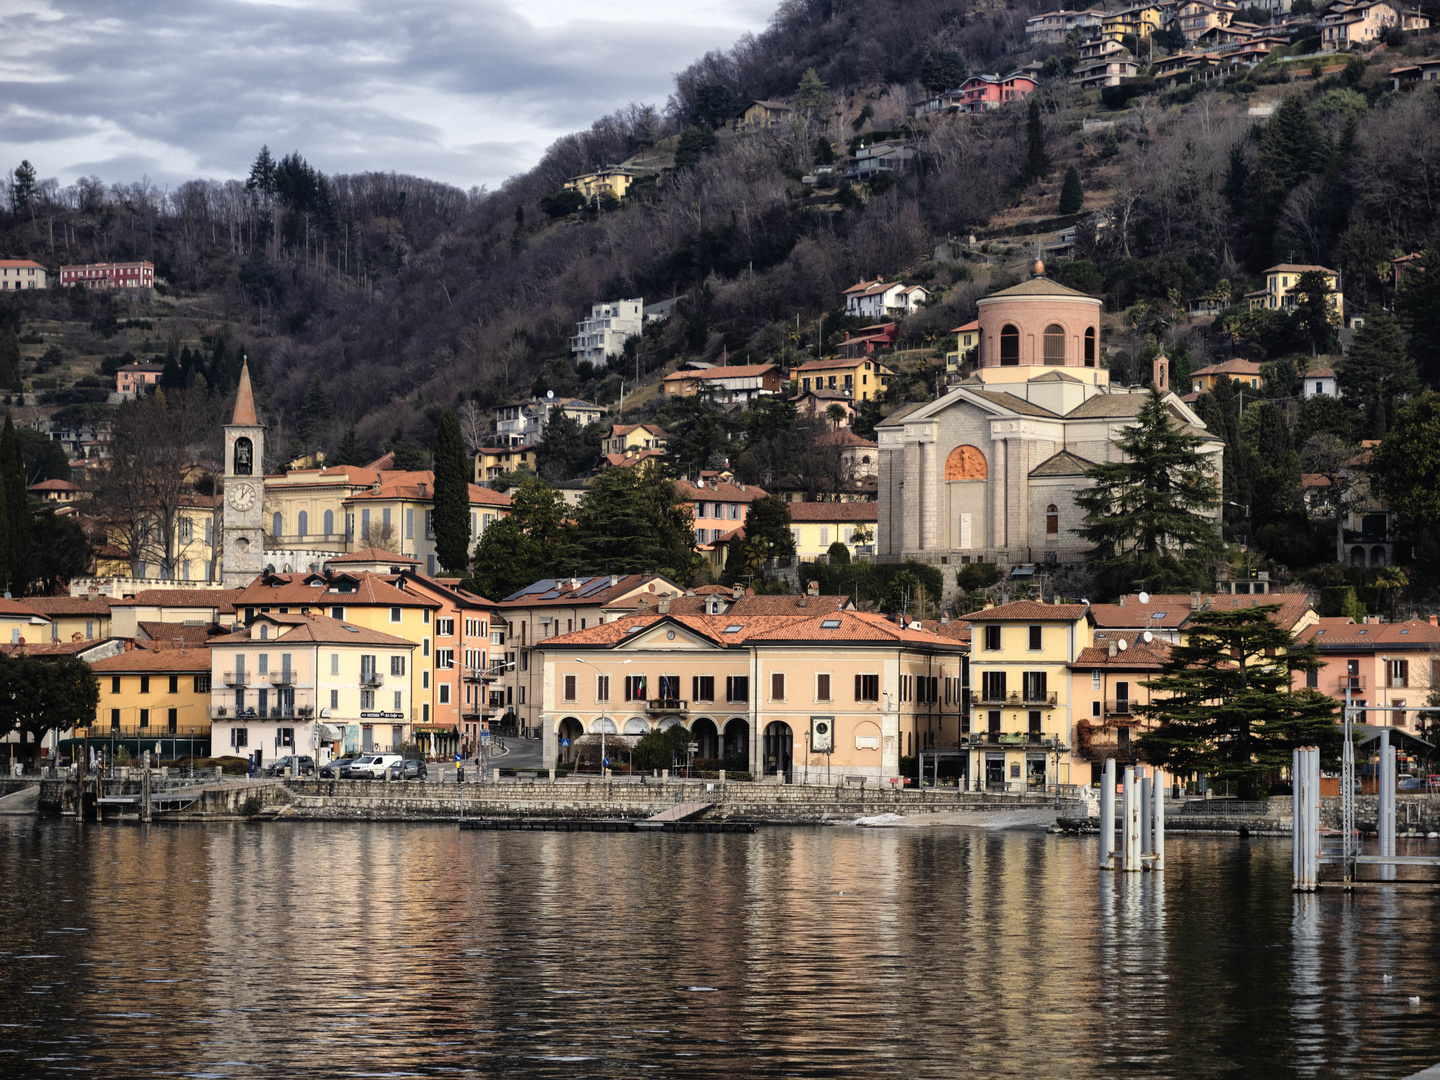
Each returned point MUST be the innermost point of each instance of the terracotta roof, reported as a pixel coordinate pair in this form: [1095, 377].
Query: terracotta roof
[1030, 611]
[244, 399]
[15, 607]
[1296, 268]
[316, 628]
[825, 394]
[406, 485]
[49, 648]
[67, 605]
[1230, 367]
[161, 660]
[559, 592]
[1332, 635]
[1171, 615]
[736, 371]
[373, 555]
[1137, 654]
[633, 457]
[168, 632]
[617, 430]
[973, 324]
[854, 626]
[54, 485]
[834, 363]
[23, 263]
[719, 491]
[302, 590]
[834, 511]
[768, 605]
[1319, 373]
[844, 437]
[221, 599]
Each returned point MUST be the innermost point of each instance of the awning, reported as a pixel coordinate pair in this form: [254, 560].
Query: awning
[1026, 571]
[1368, 733]
[329, 733]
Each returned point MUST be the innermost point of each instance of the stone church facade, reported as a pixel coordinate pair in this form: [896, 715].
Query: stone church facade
[989, 471]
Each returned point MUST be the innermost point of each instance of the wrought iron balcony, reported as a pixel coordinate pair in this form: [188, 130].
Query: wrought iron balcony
[283, 677]
[667, 705]
[236, 678]
[372, 678]
[1119, 707]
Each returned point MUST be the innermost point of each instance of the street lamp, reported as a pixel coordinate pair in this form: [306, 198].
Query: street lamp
[1246, 508]
[607, 671]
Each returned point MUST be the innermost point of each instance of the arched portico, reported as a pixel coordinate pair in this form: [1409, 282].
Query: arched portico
[569, 729]
[637, 725]
[704, 732]
[736, 741]
[778, 750]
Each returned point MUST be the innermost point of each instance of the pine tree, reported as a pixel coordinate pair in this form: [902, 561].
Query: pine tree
[173, 376]
[1418, 304]
[812, 95]
[24, 190]
[1223, 705]
[262, 182]
[1314, 318]
[1072, 194]
[1377, 376]
[9, 358]
[351, 451]
[314, 412]
[17, 509]
[941, 70]
[1149, 516]
[1037, 161]
[452, 497]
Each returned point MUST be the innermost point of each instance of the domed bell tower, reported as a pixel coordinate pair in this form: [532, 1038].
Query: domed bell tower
[242, 527]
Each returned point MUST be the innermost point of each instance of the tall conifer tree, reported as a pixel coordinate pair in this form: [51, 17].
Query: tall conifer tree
[17, 509]
[452, 497]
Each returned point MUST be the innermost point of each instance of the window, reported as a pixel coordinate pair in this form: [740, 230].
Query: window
[992, 685]
[602, 687]
[114, 718]
[822, 687]
[634, 687]
[400, 700]
[144, 717]
[367, 700]
[1090, 347]
[114, 684]
[144, 684]
[202, 684]
[277, 524]
[302, 523]
[329, 520]
[394, 614]
[174, 684]
[425, 616]
[334, 699]
[1052, 521]
[425, 679]
[737, 688]
[1054, 344]
[425, 647]
[570, 688]
[777, 686]
[263, 662]
[867, 687]
[1400, 673]
[334, 663]
[240, 737]
[992, 639]
[1035, 638]
[444, 658]
[1034, 719]
[1095, 679]
[444, 627]
[1095, 709]
[186, 529]
[397, 665]
[1009, 346]
[702, 688]
[1035, 686]
[992, 720]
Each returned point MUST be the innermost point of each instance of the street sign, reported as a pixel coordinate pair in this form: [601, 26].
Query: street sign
[694, 748]
[607, 762]
[564, 742]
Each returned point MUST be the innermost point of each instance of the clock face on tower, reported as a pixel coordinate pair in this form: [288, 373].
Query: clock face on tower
[242, 496]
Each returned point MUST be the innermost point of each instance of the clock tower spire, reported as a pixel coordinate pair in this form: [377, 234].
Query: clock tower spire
[242, 528]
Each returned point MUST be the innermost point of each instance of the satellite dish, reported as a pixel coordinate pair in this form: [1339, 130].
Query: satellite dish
[1147, 637]
[1122, 646]
[549, 393]
[1144, 598]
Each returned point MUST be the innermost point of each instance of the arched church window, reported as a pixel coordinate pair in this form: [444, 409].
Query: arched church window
[1009, 346]
[1090, 347]
[277, 524]
[244, 457]
[329, 522]
[302, 523]
[1054, 344]
[1052, 521]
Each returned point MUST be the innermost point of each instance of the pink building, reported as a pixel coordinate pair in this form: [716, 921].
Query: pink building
[132, 380]
[980, 93]
[1389, 664]
[126, 275]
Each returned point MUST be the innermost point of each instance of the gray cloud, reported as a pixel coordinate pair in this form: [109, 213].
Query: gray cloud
[469, 91]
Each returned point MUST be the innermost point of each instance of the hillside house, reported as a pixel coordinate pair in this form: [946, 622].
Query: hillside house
[1111, 70]
[1196, 17]
[523, 422]
[493, 462]
[605, 332]
[628, 438]
[817, 404]
[860, 378]
[613, 180]
[868, 340]
[1281, 281]
[734, 384]
[1245, 373]
[1421, 71]
[1372, 663]
[877, 299]
[126, 275]
[1052, 27]
[981, 93]
[890, 156]
[134, 380]
[21, 274]
[759, 115]
[1140, 21]
[1345, 25]
[967, 337]
[1320, 382]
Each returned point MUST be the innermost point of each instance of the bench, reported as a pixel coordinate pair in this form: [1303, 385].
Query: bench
[856, 780]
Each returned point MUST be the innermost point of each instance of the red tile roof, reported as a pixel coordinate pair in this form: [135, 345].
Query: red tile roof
[853, 627]
[313, 589]
[150, 660]
[834, 511]
[373, 555]
[1030, 611]
[316, 628]
[67, 605]
[1343, 634]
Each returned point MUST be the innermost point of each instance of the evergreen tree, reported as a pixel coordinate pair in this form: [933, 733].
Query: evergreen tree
[1037, 161]
[633, 521]
[262, 181]
[1072, 194]
[1377, 375]
[767, 521]
[566, 449]
[812, 95]
[1418, 304]
[941, 70]
[314, 413]
[9, 358]
[452, 497]
[522, 547]
[351, 451]
[1314, 318]
[1407, 465]
[173, 376]
[1222, 704]
[24, 190]
[17, 509]
[1148, 516]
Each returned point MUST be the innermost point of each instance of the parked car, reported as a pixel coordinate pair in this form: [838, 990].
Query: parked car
[279, 765]
[334, 768]
[409, 769]
[1410, 783]
[371, 766]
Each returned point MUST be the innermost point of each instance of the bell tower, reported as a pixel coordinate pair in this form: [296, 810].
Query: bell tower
[242, 528]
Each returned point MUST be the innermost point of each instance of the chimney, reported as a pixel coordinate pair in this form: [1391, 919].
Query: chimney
[1122, 599]
[1113, 650]
[663, 604]
[420, 489]
[93, 591]
[614, 579]
[1435, 620]
[812, 589]
[1194, 601]
[737, 591]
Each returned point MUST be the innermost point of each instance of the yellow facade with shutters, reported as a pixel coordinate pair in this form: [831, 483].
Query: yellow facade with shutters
[152, 703]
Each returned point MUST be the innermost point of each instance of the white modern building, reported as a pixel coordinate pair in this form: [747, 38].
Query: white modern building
[21, 274]
[605, 332]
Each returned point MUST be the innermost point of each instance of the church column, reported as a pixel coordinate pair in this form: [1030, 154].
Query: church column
[997, 496]
[929, 489]
[912, 499]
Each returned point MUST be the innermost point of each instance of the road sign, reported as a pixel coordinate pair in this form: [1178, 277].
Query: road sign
[607, 762]
[564, 742]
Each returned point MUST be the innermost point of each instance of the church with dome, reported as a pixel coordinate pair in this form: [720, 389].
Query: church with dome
[988, 472]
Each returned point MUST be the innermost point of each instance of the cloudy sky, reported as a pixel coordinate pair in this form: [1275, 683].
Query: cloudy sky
[465, 91]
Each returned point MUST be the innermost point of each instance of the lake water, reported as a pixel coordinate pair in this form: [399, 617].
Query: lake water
[304, 949]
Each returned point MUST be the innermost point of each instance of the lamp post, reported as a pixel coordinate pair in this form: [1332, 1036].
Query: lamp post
[606, 671]
[1246, 508]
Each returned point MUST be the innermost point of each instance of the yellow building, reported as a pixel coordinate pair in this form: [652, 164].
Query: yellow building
[363, 600]
[1142, 20]
[1245, 373]
[191, 549]
[817, 525]
[862, 377]
[1281, 282]
[633, 438]
[616, 179]
[759, 115]
[492, 462]
[72, 618]
[20, 623]
[150, 695]
[967, 337]
[1022, 715]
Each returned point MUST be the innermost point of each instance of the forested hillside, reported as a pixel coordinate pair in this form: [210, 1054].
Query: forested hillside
[380, 300]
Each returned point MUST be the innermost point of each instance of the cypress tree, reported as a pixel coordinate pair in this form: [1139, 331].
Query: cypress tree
[1072, 194]
[17, 509]
[1037, 161]
[452, 497]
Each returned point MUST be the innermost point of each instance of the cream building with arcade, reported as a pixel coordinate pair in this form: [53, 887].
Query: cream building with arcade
[988, 472]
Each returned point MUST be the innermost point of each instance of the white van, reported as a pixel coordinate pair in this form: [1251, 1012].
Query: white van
[371, 766]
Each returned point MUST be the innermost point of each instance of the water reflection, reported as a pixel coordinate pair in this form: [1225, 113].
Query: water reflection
[309, 950]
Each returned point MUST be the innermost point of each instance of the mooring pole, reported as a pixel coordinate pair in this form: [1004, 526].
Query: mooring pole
[1147, 812]
[1387, 803]
[1130, 810]
[1158, 839]
[1107, 816]
[145, 788]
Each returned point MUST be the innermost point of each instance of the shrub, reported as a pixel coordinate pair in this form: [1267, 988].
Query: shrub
[838, 554]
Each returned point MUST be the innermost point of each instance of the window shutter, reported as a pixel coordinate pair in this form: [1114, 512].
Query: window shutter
[569, 687]
[777, 685]
[858, 688]
[822, 688]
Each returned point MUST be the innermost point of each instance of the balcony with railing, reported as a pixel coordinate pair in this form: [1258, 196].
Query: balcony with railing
[1028, 739]
[1119, 707]
[236, 678]
[667, 705]
[281, 710]
[1354, 683]
[283, 677]
[372, 678]
[1015, 699]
